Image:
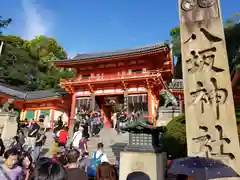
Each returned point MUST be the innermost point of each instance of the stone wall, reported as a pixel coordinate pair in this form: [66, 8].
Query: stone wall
[167, 114]
[8, 125]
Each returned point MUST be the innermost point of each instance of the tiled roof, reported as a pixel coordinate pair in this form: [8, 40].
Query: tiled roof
[30, 95]
[89, 56]
[12, 91]
[45, 94]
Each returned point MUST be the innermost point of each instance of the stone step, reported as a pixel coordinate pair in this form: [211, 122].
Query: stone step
[113, 143]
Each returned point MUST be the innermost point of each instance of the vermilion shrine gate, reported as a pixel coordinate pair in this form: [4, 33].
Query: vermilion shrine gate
[131, 76]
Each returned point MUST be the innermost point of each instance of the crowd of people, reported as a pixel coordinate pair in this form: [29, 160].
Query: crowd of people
[67, 166]
[23, 159]
[69, 159]
[91, 121]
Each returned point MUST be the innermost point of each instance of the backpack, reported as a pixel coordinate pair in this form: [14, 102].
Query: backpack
[94, 163]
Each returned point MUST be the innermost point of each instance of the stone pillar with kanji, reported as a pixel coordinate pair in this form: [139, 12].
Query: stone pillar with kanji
[209, 106]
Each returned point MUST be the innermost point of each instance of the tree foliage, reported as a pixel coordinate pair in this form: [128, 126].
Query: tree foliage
[176, 41]
[16, 65]
[174, 141]
[232, 34]
[30, 63]
[45, 49]
[4, 23]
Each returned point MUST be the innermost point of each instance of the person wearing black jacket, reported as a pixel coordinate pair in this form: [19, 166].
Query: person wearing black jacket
[2, 147]
[40, 141]
[16, 144]
[59, 124]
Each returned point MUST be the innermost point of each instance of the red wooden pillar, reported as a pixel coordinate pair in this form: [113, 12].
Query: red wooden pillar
[150, 104]
[52, 118]
[73, 107]
[36, 115]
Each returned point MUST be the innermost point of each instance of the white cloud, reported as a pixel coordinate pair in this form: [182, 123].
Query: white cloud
[38, 20]
[72, 54]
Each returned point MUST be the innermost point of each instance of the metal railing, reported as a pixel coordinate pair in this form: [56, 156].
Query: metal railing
[176, 84]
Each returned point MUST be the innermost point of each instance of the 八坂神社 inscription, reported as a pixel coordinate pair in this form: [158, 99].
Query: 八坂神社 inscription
[209, 107]
[221, 141]
[204, 141]
[207, 142]
[215, 96]
[205, 57]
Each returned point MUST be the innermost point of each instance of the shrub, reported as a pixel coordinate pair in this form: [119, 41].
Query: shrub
[174, 140]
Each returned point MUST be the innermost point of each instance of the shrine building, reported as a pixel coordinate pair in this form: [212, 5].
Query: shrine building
[132, 78]
[45, 104]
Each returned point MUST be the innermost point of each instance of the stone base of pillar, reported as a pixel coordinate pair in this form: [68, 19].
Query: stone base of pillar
[143, 155]
[142, 164]
[8, 125]
[144, 142]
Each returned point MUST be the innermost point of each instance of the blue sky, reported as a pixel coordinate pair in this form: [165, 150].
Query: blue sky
[83, 26]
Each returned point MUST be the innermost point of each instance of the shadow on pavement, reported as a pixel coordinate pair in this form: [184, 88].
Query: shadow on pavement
[44, 151]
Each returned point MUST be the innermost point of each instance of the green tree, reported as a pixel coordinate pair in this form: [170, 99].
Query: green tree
[175, 142]
[30, 63]
[4, 23]
[45, 50]
[16, 65]
[231, 21]
[232, 34]
[175, 34]
[15, 41]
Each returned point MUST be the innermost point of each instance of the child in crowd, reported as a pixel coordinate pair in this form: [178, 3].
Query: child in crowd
[26, 162]
[10, 168]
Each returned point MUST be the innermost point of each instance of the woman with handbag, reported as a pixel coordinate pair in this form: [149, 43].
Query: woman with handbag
[77, 136]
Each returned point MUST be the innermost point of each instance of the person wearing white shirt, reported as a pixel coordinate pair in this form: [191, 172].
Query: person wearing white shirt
[114, 120]
[77, 136]
[100, 154]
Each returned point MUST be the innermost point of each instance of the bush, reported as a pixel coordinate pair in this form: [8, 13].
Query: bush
[174, 139]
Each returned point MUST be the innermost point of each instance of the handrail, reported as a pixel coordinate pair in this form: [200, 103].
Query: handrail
[176, 84]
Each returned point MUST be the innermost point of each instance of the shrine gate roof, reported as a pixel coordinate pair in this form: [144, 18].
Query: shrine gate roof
[138, 50]
[30, 95]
